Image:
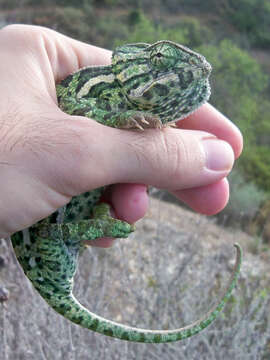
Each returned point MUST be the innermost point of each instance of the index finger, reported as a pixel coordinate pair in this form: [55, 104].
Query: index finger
[209, 119]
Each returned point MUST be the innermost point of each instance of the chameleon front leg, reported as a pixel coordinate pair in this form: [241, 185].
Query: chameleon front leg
[101, 225]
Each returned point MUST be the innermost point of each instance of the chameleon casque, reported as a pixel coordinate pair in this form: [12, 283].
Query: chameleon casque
[146, 86]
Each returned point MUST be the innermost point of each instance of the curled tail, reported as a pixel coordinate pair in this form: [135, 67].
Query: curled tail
[71, 309]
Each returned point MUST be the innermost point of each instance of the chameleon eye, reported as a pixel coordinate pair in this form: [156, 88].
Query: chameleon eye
[162, 59]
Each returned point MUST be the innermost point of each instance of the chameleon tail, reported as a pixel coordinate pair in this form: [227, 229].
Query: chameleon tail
[69, 307]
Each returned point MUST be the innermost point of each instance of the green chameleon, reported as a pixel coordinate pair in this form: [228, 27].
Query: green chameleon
[147, 86]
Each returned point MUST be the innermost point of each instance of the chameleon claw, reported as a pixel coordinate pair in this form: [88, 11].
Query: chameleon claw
[143, 120]
[138, 126]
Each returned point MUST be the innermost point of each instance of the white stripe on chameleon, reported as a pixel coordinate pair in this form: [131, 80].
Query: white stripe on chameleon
[141, 89]
[129, 73]
[96, 80]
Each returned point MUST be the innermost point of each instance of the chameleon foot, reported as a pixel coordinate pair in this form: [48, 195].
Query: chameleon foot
[138, 120]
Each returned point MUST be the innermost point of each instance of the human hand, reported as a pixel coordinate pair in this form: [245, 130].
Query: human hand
[47, 156]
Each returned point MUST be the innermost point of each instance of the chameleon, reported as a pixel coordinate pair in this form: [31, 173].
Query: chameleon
[146, 86]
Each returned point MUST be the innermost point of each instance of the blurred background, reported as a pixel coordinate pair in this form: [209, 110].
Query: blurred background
[173, 283]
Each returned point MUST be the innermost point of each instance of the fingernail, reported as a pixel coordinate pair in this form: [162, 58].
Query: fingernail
[219, 154]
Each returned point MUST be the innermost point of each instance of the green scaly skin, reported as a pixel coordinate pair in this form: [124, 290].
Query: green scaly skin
[147, 86]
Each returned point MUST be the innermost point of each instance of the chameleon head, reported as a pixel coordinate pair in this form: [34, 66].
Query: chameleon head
[166, 79]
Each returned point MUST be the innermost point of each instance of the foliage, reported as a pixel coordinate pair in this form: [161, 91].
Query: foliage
[245, 201]
[188, 30]
[256, 165]
[251, 17]
[142, 29]
[197, 34]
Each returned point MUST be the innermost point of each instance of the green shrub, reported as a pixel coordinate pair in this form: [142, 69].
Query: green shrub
[196, 34]
[251, 17]
[145, 30]
[256, 165]
[244, 203]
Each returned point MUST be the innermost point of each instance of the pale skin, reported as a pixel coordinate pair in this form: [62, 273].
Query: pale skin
[47, 157]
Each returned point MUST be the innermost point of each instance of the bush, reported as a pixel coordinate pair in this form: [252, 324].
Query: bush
[256, 165]
[142, 29]
[196, 34]
[253, 18]
[244, 203]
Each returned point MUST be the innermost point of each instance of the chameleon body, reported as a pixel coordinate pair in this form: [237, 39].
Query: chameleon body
[146, 86]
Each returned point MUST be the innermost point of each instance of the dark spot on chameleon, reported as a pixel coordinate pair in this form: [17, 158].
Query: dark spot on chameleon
[108, 332]
[47, 295]
[190, 76]
[28, 247]
[136, 85]
[157, 338]
[183, 83]
[94, 324]
[142, 337]
[172, 84]
[161, 90]
[62, 306]
[121, 95]
[174, 103]
[63, 277]
[80, 209]
[148, 77]
[185, 109]
[107, 116]
[40, 282]
[75, 319]
[108, 106]
[67, 307]
[53, 217]
[71, 216]
[121, 105]
[17, 239]
[124, 335]
[201, 98]
[147, 95]
[86, 194]
[80, 318]
[38, 259]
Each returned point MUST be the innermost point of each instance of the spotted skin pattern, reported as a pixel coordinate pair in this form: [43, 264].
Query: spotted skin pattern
[147, 86]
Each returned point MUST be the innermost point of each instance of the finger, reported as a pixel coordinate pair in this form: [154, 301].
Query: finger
[208, 200]
[130, 201]
[209, 119]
